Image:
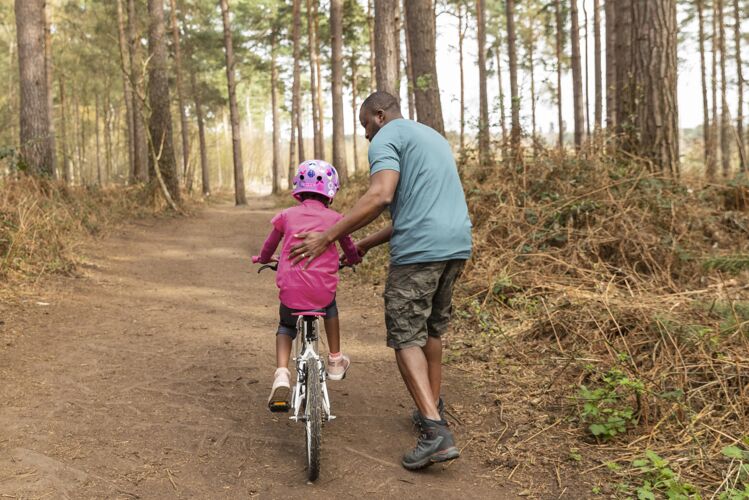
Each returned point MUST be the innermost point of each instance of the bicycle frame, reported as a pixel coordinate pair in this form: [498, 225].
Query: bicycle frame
[306, 352]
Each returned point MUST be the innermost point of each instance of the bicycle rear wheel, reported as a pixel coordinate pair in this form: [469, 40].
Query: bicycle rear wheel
[313, 413]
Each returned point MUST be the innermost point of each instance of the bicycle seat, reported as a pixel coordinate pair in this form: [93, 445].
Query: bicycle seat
[309, 313]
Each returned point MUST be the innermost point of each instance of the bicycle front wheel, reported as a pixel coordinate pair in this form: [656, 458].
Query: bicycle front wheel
[313, 417]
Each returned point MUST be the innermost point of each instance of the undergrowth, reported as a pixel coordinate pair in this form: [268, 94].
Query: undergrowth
[612, 305]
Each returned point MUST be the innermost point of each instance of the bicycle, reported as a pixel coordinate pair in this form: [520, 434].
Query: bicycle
[310, 401]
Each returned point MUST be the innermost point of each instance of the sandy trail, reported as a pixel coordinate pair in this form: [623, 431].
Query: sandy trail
[148, 376]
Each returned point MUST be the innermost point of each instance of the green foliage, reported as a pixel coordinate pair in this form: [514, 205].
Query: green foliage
[732, 264]
[606, 409]
[660, 481]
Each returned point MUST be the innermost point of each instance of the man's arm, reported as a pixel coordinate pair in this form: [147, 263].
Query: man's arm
[374, 240]
[381, 190]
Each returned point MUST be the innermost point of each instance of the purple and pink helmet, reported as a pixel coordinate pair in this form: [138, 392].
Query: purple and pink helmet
[316, 176]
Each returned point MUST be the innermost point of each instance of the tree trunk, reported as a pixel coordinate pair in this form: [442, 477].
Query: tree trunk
[598, 114]
[725, 119]
[48, 69]
[484, 144]
[624, 93]
[577, 77]
[320, 107]
[336, 62]
[559, 49]
[127, 90]
[501, 92]
[586, 78]
[739, 87]
[205, 177]
[67, 173]
[354, 106]
[37, 145]
[292, 148]
[372, 51]
[296, 86]
[422, 41]
[140, 146]
[708, 146]
[712, 165]
[313, 78]
[513, 61]
[96, 128]
[461, 40]
[648, 107]
[162, 161]
[532, 71]
[409, 66]
[183, 125]
[236, 133]
[274, 114]
[610, 65]
[387, 42]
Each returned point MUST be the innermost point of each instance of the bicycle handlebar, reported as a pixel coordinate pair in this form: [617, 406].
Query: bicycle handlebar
[273, 265]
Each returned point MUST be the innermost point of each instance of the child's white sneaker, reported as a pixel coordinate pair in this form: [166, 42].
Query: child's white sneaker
[279, 393]
[337, 366]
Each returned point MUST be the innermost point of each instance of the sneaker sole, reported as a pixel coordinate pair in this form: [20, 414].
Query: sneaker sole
[337, 377]
[279, 400]
[441, 456]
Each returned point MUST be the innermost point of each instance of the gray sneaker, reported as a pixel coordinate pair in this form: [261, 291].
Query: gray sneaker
[435, 445]
[417, 418]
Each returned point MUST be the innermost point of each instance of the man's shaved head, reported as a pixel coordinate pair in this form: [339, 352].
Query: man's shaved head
[377, 110]
[380, 100]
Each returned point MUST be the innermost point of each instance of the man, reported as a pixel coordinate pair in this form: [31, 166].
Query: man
[413, 172]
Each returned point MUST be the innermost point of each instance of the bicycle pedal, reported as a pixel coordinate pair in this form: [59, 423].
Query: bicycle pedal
[278, 406]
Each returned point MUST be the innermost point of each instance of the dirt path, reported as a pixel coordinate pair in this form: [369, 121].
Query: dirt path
[147, 378]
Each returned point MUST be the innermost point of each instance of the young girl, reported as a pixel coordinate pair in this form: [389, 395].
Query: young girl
[313, 288]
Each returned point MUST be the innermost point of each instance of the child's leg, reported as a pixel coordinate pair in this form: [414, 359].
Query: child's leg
[283, 350]
[333, 332]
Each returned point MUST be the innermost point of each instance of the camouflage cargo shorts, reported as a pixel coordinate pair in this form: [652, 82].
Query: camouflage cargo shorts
[418, 301]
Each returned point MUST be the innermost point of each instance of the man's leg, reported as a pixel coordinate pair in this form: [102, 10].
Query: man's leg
[433, 353]
[414, 369]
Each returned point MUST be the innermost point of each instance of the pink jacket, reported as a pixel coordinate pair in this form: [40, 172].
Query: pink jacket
[314, 287]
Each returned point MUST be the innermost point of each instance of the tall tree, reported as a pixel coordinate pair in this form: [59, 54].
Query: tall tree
[712, 164]
[198, 102]
[559, 46]
[648, 113]
[461, 59]
[708, 148]
[610, 12]
[336, 42]
[296, 90]
[501, 91]
[315, 78]
[598, 67]
[181, 100]
[162, 161]
[140, 147]
[236, 134]
[513, 62]
[67, 172]
[421, 36]
[387, 41]
[484, 146]
[739, 86]
[48, 70]
[276, 163]
[725, 117]
[127, 90]
[37, 148]
[372, 49]
[408, 66]
[577, 77]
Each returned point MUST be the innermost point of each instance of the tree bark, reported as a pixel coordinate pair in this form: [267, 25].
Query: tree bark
[501, 92]
[577, 77]
[37, 146]
[739, 87]
[96, 128]
[610, 65]
[706, 138]
[197, 99]
[274, 113]
[409, 67]
[67, 173]
[292, 148]
[372, 51]
[422, 40]
[712, 165]
[624, 92]
[140, 146]
[513, 61]
[387, 44]
[320, 107]
[181, 101]
[127, 90]
[598, 69]
[559, 50]
[484, 141]
[461, 40]
[162, 161]
[336, 43]
[313, 78]
[354, 107]
[586, 73]
[532, 71]
[648, 107]
[725, 117]
[48, 69]
[296, 86]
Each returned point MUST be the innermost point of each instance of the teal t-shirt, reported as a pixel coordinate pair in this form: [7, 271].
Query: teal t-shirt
[429, 211]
